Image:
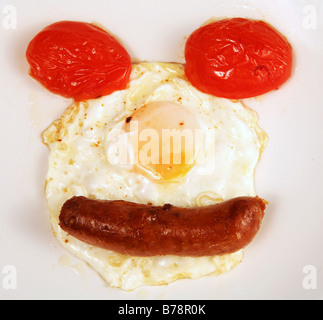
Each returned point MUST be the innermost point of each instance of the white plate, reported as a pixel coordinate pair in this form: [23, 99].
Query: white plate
[284, 262]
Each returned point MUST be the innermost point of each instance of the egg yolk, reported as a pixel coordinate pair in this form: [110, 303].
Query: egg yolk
[165, 145]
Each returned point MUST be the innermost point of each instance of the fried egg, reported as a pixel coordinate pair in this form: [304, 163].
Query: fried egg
[158, 141]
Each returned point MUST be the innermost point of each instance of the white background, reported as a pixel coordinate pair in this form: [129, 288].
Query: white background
[289, 175]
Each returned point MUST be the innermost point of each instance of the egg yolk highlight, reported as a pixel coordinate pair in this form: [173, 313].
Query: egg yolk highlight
[165, 145]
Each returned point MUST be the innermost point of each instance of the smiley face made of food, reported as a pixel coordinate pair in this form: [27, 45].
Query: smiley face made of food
[151, 169]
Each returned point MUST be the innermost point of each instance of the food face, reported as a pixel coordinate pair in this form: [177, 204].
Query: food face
[86, 159]
[128, 171]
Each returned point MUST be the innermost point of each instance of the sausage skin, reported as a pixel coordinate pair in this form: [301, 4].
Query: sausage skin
[144, 230]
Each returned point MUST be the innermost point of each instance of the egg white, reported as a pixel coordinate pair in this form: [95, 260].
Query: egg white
[78, 165]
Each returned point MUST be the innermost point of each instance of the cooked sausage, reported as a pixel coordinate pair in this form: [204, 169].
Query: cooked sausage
[144, 230]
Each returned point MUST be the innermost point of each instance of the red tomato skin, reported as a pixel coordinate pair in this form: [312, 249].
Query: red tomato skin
[78, 60]
[237, 58]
